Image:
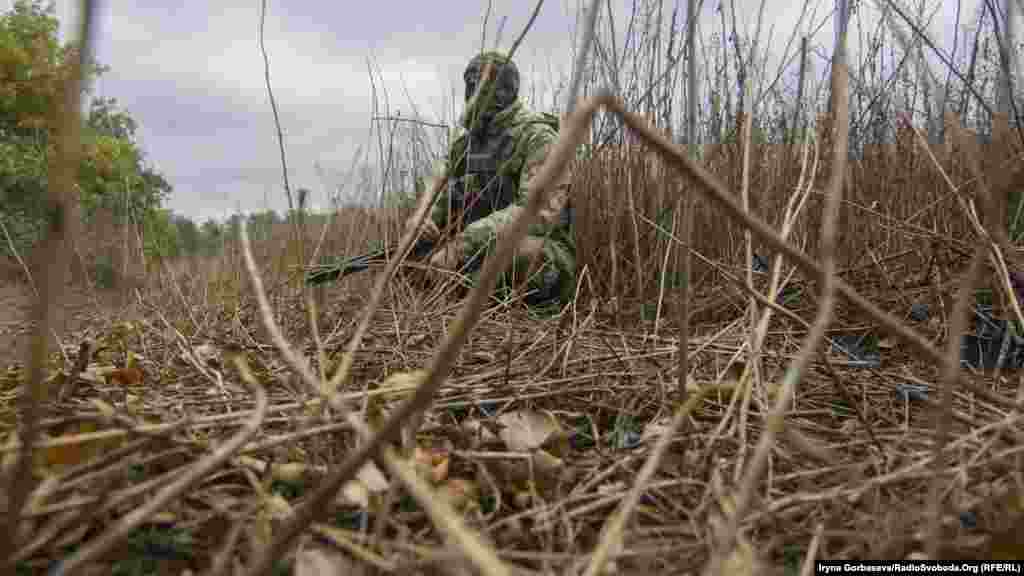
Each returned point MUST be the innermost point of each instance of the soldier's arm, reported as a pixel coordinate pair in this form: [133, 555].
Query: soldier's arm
[538, 147]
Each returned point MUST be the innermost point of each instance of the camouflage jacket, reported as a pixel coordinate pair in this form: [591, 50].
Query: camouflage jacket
[489, 175]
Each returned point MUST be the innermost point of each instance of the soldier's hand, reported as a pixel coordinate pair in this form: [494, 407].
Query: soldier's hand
[430, 230]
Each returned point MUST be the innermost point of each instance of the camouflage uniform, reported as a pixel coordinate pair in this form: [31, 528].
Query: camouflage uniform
[499, 150]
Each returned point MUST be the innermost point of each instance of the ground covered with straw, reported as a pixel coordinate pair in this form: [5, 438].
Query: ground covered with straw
[535, 438]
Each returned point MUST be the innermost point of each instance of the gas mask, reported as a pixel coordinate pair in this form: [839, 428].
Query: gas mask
[494, 96]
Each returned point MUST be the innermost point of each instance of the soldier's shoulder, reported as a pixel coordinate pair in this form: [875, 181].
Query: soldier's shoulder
[529, 123]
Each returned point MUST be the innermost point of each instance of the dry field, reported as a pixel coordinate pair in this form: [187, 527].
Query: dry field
[546, 419]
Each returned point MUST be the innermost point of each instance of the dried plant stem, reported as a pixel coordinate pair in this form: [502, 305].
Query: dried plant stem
[993, 235]
[812, 551]
[759, 331]
[379, 285]
[221, 562]
[775, 420]
[751, 371]
[529, 24]
[724, 199]
[663, 276]
[612, 533]
[944, 416]
[683, 370]
[17, 256]
[28, 275]
[562, 152]
[446, 518]
[273, 107]
[100, 545]
[440, 512]
[52, 258]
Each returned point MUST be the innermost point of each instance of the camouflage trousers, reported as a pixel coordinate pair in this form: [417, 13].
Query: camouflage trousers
[544, 267]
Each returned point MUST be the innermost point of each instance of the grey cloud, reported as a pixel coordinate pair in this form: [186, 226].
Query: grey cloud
[190, 73]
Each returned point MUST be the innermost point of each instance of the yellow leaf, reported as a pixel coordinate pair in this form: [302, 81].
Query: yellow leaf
[294, 473]
[398, 385]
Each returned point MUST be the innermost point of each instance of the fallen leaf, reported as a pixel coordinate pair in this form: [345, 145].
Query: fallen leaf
[400, 384]
[64, 456]
[374, 479]
[322, 562]
[294, 473]
[809, 446]
[273, 508]
[431, 464]
[354, 493]
[460, 493]
[358, 491]
[548, 470]
[546, 464]
[277, 507]
[415, 340]
[125, 376]
[526, 430]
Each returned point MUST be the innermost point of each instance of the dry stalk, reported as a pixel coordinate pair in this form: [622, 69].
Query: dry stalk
[775, 420]
[998, 243]
[794, 206]
[52, 258]
[221, 562]
[751, 369]
[440, 512]
[944, 416]
[95, 548]
[456, 337]
[724, 199]
[471, 313]
[611, 536]
[445, 517]
[17, 256]
[951, 368]
[683, 370]
[28, 276]
[664, 273]
[297, 362]
[556, 162]
[812, 551]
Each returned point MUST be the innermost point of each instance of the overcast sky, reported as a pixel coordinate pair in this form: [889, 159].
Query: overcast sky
[191, 74]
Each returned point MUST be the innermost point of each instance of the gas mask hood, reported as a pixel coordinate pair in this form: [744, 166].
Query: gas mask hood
[493, 97]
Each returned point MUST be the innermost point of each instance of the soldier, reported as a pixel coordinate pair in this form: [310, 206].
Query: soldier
[499, 150]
